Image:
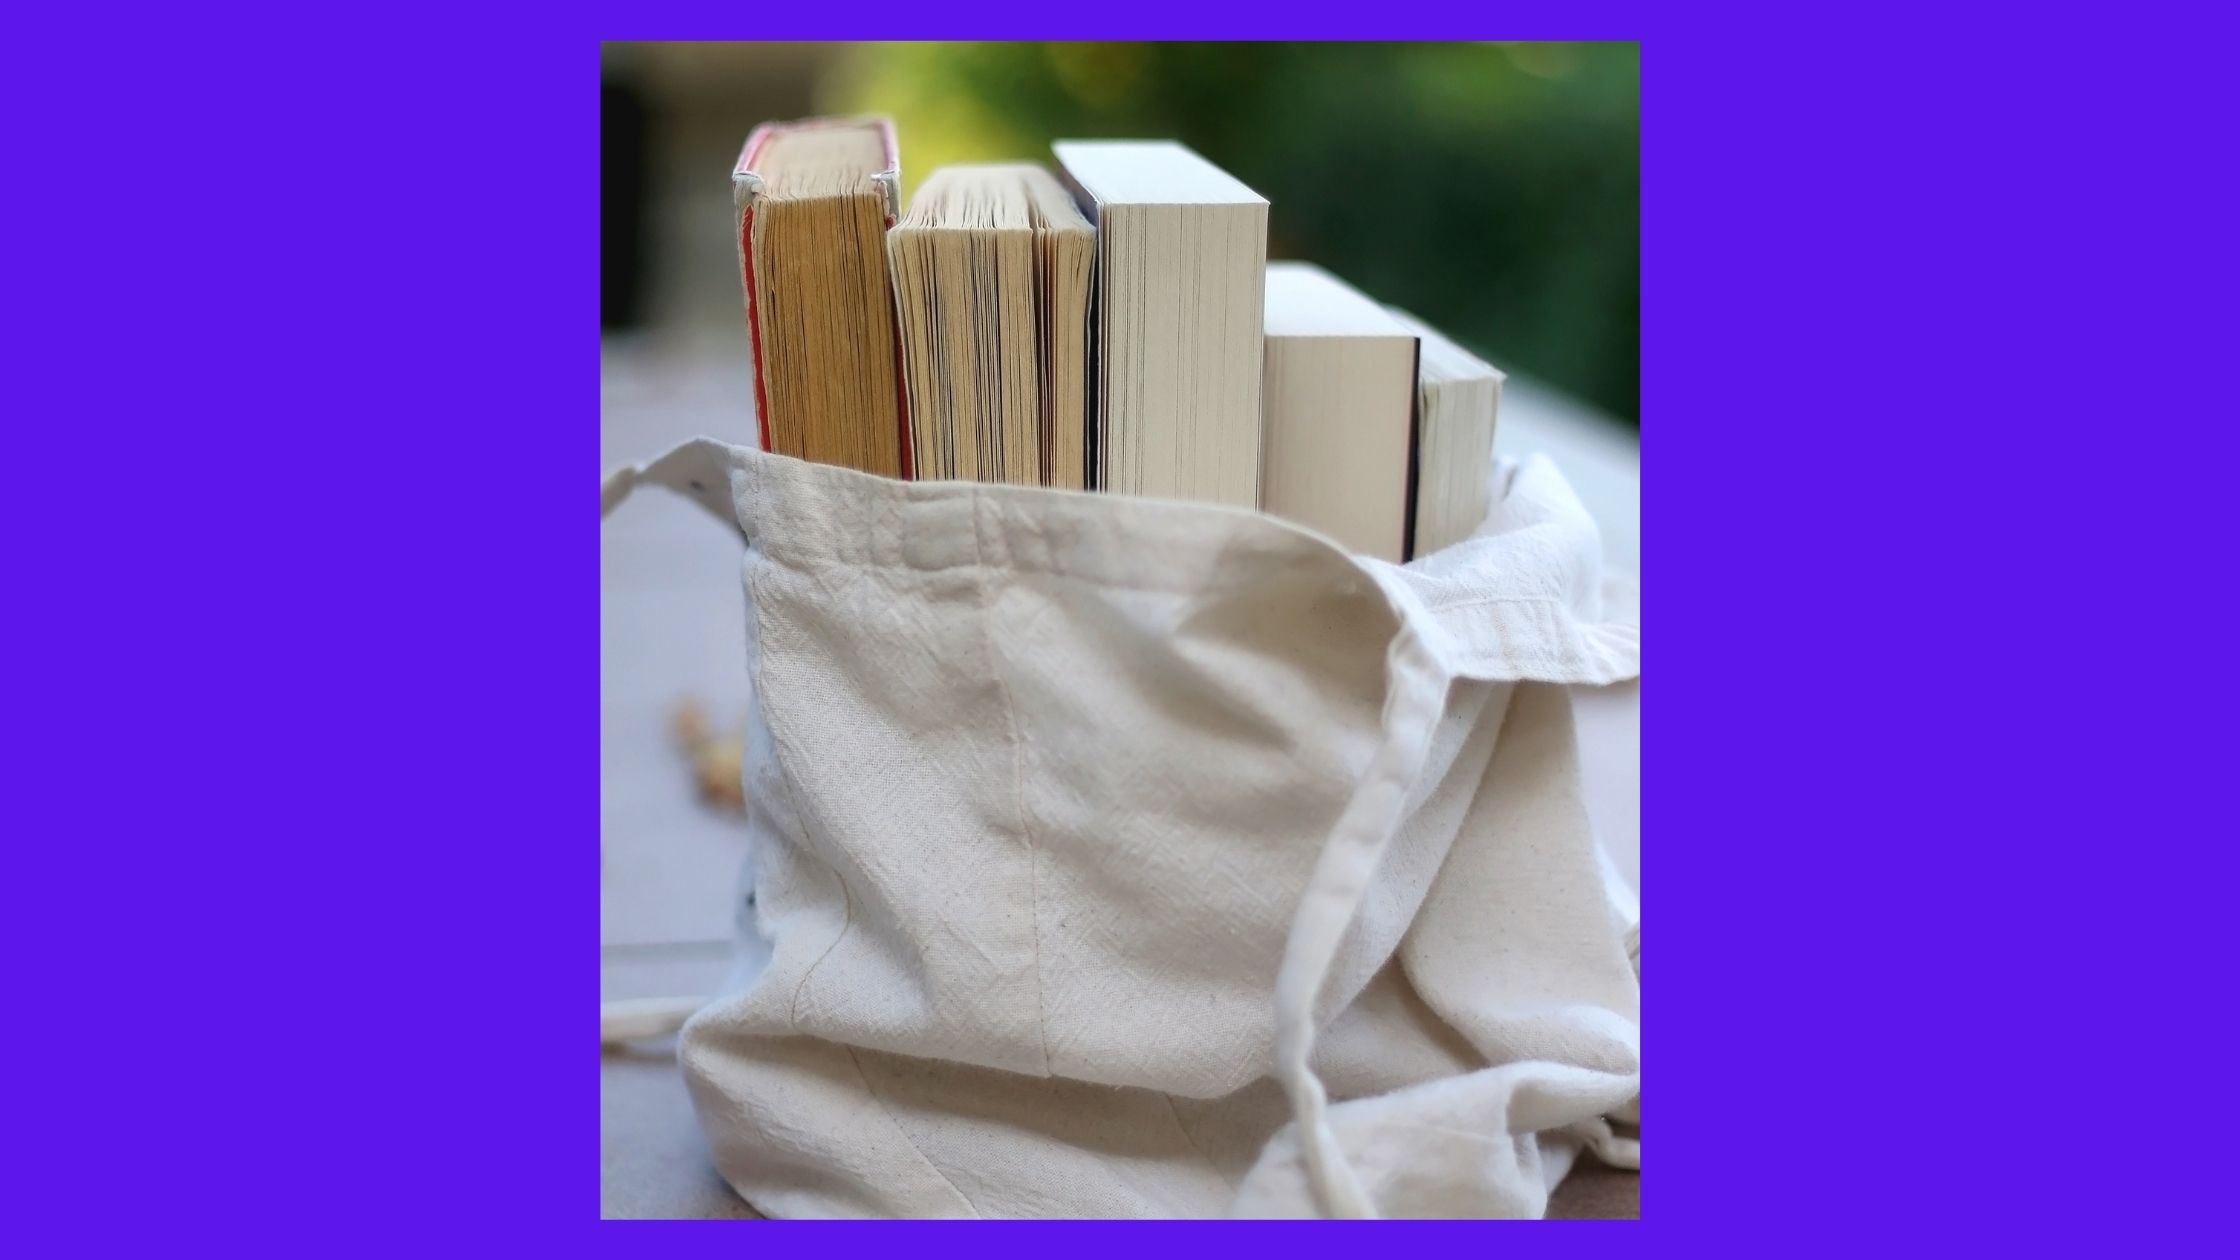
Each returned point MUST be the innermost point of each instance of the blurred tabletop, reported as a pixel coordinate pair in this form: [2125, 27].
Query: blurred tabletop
[672, 622]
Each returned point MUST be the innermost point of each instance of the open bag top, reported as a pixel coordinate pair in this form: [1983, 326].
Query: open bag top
[1120, 857]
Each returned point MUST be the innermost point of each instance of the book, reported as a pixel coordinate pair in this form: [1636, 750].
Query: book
[1341, 413]
[991, 274]
[814, 199]
[1458, 403]
[1182, 250]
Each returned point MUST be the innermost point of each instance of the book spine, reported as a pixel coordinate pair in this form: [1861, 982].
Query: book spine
[1092, 415]
[754, 327]
[746, 188]
[1415, 453]
[901, 386]
[889, 183]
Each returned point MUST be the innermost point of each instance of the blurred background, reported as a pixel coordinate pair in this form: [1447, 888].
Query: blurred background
[1491, 188]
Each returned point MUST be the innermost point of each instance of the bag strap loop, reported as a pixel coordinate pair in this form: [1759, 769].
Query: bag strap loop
[700, 470]
[1415, 697]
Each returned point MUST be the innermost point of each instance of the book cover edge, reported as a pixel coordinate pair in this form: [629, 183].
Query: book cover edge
[747, 188]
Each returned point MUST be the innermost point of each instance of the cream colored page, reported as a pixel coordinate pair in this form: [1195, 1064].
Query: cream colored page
[1336, 458]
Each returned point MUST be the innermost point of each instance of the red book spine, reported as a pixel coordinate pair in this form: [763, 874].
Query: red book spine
[747, 158]
[754, 328]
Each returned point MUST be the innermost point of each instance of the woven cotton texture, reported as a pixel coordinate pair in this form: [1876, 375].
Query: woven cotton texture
[1129, 858]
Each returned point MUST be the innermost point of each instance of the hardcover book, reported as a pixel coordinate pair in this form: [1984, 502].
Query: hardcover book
[814, 200]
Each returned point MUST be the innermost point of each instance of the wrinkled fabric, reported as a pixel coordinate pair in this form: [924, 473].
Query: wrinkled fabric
[1120, 857]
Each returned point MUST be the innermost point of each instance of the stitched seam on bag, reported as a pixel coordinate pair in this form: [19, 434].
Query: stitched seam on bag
[801, 563]
[904, 1134]
[847, 920]
[810, 564]
[759, 547]
[1442, 606]
[1192, 1139]
[793, 803]
[1018, 782]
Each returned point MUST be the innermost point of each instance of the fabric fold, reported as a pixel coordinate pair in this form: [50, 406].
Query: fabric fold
[1120, 857]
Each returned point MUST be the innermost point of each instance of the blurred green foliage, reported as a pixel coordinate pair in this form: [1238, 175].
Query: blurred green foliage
[1492, 189]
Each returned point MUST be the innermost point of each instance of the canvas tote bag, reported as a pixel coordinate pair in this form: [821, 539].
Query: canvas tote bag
[1118, 857]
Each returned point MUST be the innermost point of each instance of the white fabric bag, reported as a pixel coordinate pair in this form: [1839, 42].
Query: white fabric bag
[1120, 857]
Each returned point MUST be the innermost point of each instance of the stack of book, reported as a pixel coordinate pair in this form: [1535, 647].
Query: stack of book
[1112, 325]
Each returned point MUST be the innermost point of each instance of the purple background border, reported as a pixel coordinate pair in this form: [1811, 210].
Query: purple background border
[305, 819]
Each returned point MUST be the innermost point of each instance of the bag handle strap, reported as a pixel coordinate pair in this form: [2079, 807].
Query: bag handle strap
[700, 470]
[1484, 612]
[1415, 697]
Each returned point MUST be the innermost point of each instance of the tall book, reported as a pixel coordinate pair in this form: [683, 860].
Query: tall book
[991, 280]
[814, 200]
[1458, 402]
[1341, 413]
[1182, 251]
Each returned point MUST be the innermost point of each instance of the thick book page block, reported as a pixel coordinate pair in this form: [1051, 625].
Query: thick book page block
[814, 199]
[1458, 403]
[1181, 261]
[1341, 396]
[991, 272]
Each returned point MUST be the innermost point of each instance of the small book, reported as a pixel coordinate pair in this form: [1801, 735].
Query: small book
[1458, 401]
[991, 282]
[1182, 252]
[814, 200]
[1341, 415]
